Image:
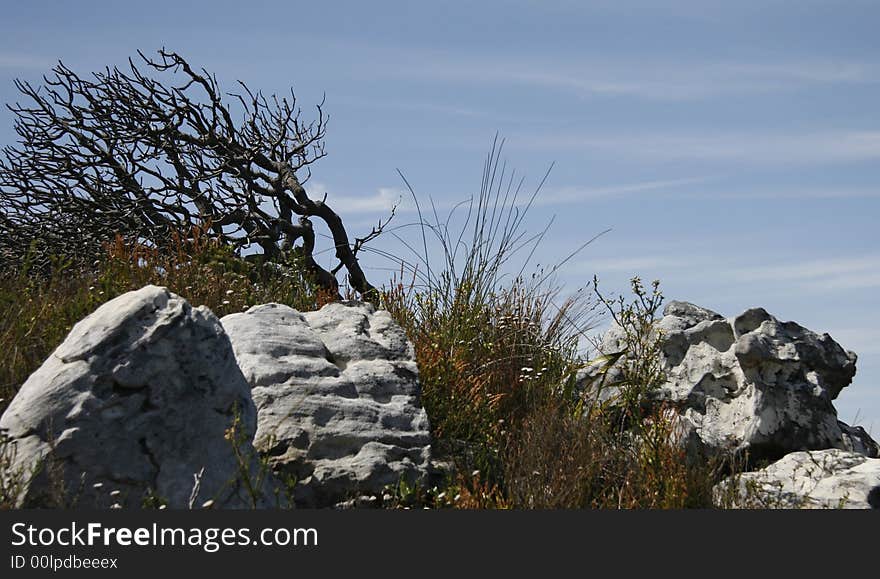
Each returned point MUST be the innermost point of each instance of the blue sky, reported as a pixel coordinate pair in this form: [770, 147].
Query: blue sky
[732, 147]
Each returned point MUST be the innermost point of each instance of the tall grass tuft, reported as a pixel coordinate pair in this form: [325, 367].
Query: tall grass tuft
[499, 353]
[493, 342]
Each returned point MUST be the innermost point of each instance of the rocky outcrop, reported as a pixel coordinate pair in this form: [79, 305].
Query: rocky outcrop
[750, 382]
[136, 401]
[337, 396]
[824, 479]
[857, 440]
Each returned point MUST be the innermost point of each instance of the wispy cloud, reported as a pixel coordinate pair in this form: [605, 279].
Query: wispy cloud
[827, 274]
[380, 201]
[386, 198]
[785, 192]
[574, 194]
[646, 78]
[830, 146]
[822, 275]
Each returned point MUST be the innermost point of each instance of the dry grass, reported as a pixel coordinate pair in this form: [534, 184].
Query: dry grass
[39, 311]
[498, 357]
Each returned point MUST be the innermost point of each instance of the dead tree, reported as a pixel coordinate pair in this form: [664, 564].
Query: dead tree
[145, 155]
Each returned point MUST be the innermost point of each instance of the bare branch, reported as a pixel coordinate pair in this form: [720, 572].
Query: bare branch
[156, 149]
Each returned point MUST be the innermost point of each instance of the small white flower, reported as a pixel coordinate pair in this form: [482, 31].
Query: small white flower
[208, 504]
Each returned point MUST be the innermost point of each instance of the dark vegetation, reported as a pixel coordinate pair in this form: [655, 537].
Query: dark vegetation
[124, 153]
[121, 181]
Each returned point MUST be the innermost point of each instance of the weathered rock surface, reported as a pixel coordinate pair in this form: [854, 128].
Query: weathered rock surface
[750, 382]
[337, 396]
[856, 439]
[136, 401]
[819, 479]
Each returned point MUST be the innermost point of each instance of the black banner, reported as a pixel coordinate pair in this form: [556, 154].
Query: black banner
[392, 543]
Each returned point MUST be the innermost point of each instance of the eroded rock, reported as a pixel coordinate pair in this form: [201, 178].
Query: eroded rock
[337, 396]
[819, 479]
[135, 401]
[750, 382]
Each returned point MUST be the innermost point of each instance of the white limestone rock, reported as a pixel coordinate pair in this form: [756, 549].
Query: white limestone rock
[749, 382]
[818, 479]
[337, 396]
[134, 402]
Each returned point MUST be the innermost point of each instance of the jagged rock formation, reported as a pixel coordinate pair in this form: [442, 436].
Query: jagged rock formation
[135, 401]
[337, 395]
[819, 479]
[750, 382]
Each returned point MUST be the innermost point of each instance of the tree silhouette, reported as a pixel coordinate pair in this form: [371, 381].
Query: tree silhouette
[121, 152]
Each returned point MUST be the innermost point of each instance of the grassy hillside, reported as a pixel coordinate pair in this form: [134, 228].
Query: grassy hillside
[497, 364]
